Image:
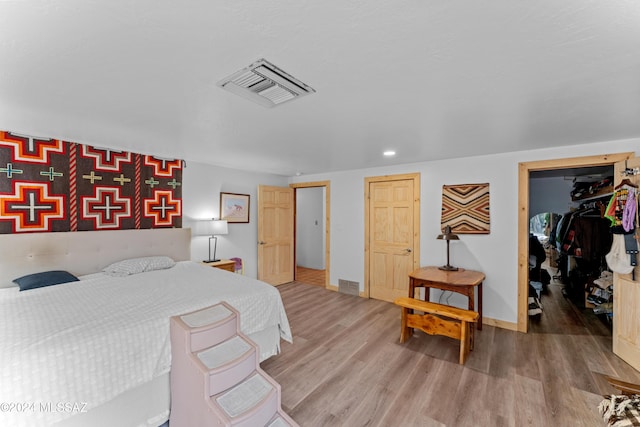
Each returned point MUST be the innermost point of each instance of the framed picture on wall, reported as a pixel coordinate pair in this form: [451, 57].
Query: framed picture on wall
[234, 207]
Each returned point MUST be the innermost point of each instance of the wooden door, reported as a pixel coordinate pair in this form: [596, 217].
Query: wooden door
[626, 295]
[275, 234]
[392, 237]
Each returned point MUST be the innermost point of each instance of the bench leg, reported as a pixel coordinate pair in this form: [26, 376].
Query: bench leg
[472, 329]
[405, 331]
[464, 341]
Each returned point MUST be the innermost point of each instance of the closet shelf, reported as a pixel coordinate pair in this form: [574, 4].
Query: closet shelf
[602, 192]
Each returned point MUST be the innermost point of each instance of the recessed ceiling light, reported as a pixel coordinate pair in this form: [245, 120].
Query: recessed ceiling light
[389, 153]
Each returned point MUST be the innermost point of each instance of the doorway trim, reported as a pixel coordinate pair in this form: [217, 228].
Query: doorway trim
[327, 228]
[416, 219]
[524, 170]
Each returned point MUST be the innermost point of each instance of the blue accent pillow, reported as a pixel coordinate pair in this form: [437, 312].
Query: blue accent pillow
[46, 278]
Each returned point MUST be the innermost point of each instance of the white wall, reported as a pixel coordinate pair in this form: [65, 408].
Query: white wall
[201, 189]
[310, 226]
[495, 254]
[549, 195]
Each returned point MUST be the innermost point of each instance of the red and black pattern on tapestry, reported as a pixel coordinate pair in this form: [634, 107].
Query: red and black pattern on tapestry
[54, 185]
[105, 188]
[162, 181]
[34, 181]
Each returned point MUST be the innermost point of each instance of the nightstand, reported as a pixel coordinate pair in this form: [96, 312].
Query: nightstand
[223, 264]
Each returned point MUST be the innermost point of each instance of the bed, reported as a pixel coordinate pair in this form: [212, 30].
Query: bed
[97, 351]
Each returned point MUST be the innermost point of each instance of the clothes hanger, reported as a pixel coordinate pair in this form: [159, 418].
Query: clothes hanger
[626, 182]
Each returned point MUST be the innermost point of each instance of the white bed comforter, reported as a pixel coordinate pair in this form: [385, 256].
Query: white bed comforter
[76, 346]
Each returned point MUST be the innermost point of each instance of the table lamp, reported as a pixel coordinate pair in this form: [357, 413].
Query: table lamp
[215, 228]
[448, 236]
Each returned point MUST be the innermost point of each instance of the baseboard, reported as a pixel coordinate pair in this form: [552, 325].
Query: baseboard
[500, 324]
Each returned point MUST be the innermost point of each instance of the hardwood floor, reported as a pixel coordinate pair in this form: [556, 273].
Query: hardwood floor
[346, 367]
[310, 276]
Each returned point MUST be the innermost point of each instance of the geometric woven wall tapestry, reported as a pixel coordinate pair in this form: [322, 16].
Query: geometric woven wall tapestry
[54, 185]
[465, 208]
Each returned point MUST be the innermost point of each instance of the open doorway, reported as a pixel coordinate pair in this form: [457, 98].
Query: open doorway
[568, 240]
[312, 233]
[524, 215]
[310, 236]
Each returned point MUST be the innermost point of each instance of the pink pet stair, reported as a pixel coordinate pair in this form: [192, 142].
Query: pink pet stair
[216, 378]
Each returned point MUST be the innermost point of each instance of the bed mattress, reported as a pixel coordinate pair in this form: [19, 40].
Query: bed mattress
[69, 348]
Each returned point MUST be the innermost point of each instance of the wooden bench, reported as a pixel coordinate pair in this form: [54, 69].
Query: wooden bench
[438, 319]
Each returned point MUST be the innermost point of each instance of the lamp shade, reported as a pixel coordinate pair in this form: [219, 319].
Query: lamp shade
[211, 227]
[219, 227]
[448, 234]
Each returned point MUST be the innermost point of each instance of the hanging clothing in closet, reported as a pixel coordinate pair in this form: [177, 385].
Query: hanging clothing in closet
[583, 233]
[593, 239]
[622, 211]
[622, 208]
[583, 239]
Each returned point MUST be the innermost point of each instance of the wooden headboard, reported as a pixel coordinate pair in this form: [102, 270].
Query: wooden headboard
[85, 252]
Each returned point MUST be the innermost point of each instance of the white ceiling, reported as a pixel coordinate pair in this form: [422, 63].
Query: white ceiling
[432, 79]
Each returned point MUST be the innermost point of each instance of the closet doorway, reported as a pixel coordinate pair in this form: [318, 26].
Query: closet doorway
[525, 172]
[568, 241]
[312, 236]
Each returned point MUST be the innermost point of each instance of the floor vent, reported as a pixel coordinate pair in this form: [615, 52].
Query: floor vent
[348, 287]
[265, 84]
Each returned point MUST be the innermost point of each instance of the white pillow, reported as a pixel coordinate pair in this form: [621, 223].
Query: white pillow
[138, 265]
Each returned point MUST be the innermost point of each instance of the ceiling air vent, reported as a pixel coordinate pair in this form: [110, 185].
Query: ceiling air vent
[266, 84]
